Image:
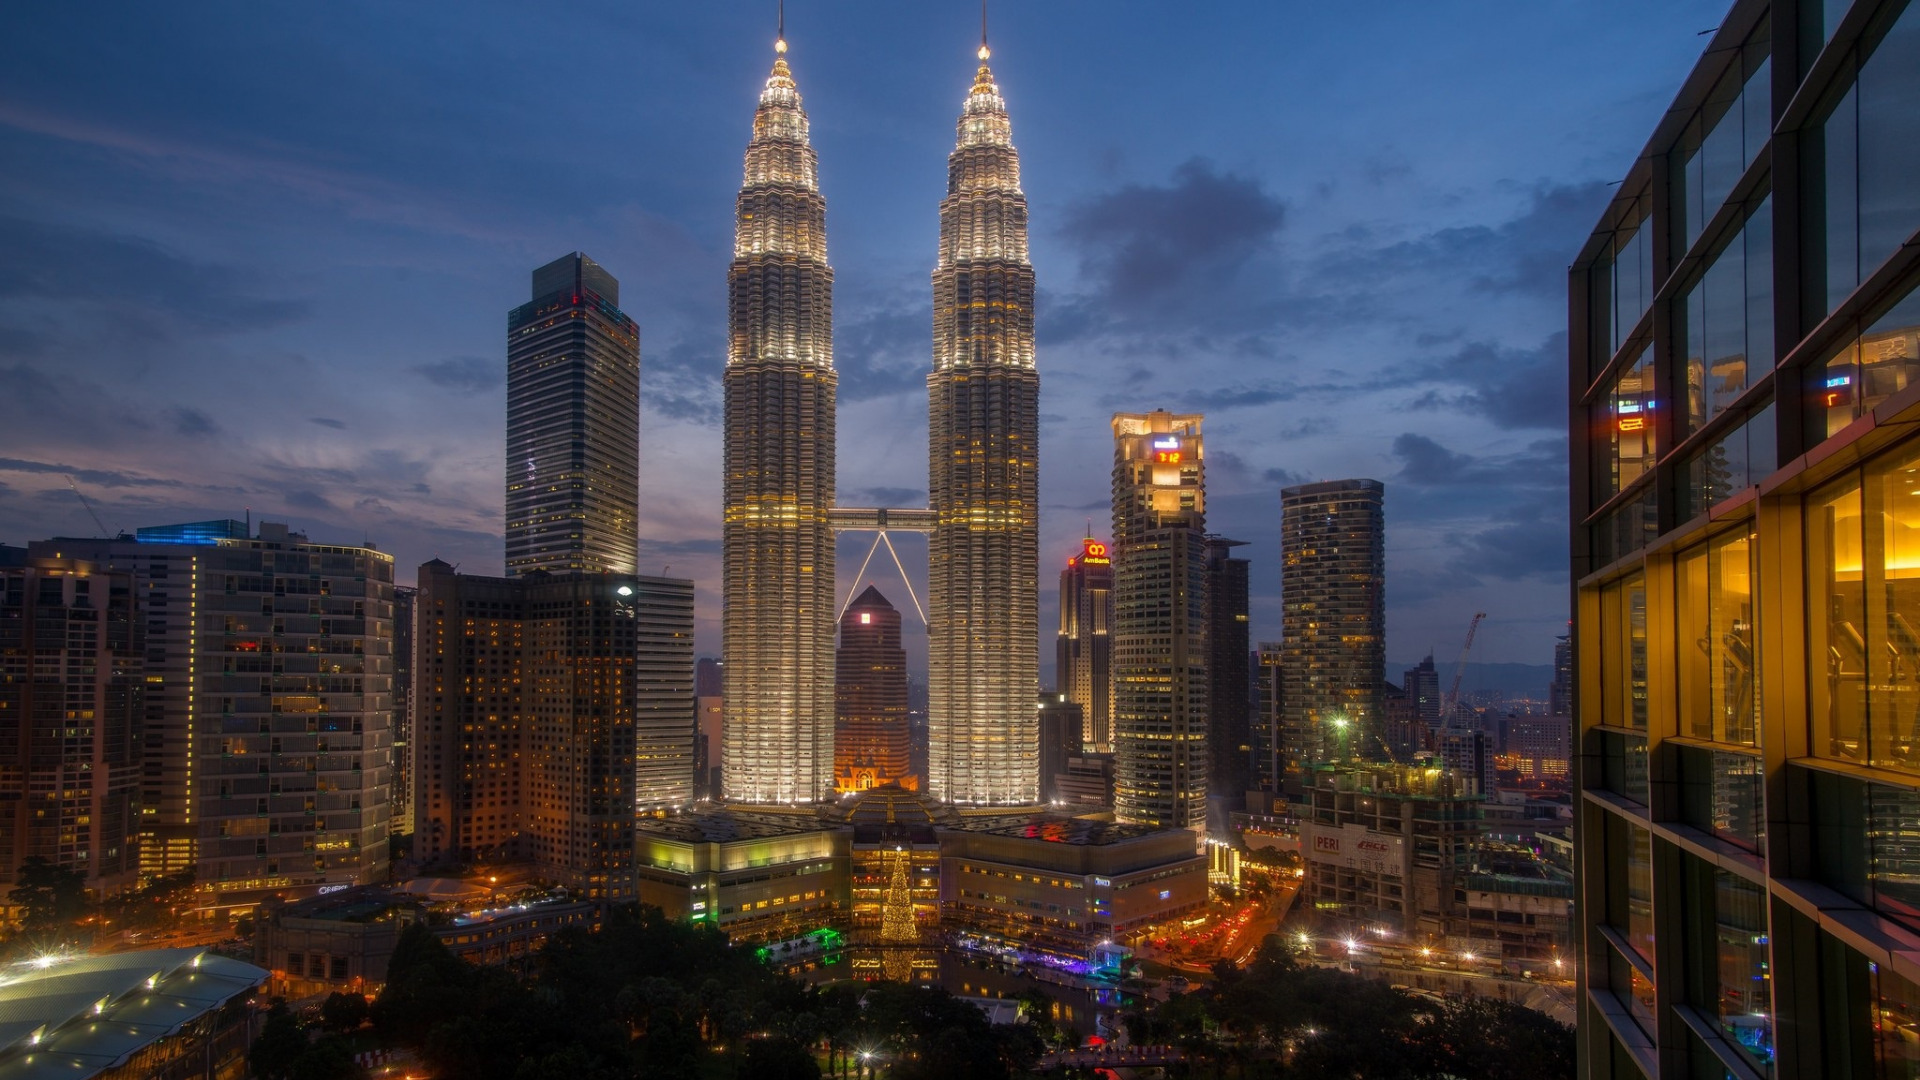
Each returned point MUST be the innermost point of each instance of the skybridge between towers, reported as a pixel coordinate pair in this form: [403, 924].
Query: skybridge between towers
[880, 521]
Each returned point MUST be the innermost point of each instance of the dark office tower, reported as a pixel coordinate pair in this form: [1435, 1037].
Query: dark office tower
[708, 712]
[70, 687]
[1423, 691]
[665, 708]
[983, 573]
[1161, 693]
[1333, 619]
[1061, 721]
[1229, 739]
[401, 800]
[526, 696]
[1083, 651]
[1744, 349]
[777, 547]
[1275, 759]
[870, 698]
[1560, 691]
[573, 424]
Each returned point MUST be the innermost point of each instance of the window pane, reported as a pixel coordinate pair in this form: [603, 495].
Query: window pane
[1696, 646]
[1632, 422]
[1841, 142]
[1893, 835]
[1896, 1024]
[1757, 238]
[1892, 567]
[1889, 142]
[1735, 709]
[1837, 623]
[1640, 890]
[1746, 991]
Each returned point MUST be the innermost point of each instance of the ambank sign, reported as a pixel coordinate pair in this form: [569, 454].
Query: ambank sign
[1356, 847]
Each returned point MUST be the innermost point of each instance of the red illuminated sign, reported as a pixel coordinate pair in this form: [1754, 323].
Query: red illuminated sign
[1094, 552]
[1166, 457]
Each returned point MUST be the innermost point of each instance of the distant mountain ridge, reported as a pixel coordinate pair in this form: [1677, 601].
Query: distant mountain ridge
[1513, 680]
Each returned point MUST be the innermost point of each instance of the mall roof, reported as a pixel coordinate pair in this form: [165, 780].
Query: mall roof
[78, 1018]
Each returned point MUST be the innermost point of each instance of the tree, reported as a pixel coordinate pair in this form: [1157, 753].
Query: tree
[1498, 1040]
[344, 1012]
[52, 897]
[778, 1057]
[279, 1046]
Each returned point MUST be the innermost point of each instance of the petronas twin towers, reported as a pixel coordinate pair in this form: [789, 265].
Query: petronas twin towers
[983, 471]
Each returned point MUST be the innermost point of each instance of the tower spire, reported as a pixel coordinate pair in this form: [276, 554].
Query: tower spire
[780, 38]
[984, 51]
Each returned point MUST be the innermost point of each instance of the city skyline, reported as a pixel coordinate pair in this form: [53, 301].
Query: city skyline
[347, 468]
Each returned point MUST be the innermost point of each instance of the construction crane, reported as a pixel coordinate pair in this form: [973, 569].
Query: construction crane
[75, 488]
[1452, 701]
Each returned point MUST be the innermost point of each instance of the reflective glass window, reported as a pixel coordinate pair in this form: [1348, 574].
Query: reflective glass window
[1872, 149]
[1624, 283]
[1732, 463]
[1880, 361]
[1896, 1024]
[1630, 423]
[1864, 562]
[1731, 638]
[1745, 1000]
[1728, 328]
[1623, 658]
[1724, 138]
[1721, 792]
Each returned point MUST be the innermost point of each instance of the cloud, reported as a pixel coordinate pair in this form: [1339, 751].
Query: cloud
[889, 497]
[1147, 245]
[192, 422]
[704, 546]
[1284, 477]
[462, 374]
[136, 280]
[1512, 388]
[102, 477]
[328, 422]
[883, 353]
[1527, 543]
[308, 500]
[1426, 463]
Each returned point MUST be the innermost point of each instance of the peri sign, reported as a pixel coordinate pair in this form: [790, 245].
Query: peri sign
[1357, 847]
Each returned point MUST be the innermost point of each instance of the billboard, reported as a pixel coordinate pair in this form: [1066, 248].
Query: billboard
[1355, 847]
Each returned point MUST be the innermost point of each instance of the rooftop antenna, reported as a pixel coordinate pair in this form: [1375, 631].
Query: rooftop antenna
[984, 53]
[780, 40]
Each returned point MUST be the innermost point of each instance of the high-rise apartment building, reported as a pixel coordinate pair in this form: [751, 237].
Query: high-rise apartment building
[1422, 685]
[778, 473]
[267, 741]
[401, 800]
[1560, 691]
[573, 423]
[870, 698]
[1161, 691]
[1229, 738]
[71, 654]
[1744, 338]
[665, 722]
[1083, 651]
[529, 692]
[1275, 760]
[1333, 619]
[984, 472]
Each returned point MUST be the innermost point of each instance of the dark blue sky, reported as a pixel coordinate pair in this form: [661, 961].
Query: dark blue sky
[260, 255]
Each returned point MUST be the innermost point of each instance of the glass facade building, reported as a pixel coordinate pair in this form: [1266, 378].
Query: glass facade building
[1746, 491]
[573, 424]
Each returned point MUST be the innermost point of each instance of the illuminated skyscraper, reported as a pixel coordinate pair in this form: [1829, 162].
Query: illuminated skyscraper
[1160, 682]
[870, 698]
[1229, 738]
[1084, 649]
[777, 544]
[573, 424]
[1333, 620]
[983, 464]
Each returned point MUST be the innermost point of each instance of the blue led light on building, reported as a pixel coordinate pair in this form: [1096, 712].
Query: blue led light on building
[193, 532]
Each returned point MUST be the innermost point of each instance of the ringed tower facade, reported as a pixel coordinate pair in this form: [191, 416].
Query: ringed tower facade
[983, 456]
[777, 543]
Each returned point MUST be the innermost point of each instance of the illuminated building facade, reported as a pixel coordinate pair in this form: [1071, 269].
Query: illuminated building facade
[573, 422]
[870, 698]
[1160, 614]
[529, 693]
[984, 468]
[1333, 560]
[665, 722]
[1083, 654]
[1229, 737]
[71, 652]
[271, 670]
[778, 474]
[1744, 347]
